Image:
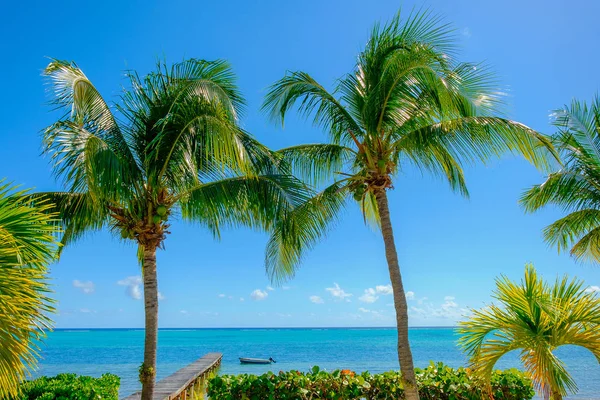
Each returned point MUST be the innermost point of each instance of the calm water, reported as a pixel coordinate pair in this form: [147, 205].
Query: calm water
[120, 351]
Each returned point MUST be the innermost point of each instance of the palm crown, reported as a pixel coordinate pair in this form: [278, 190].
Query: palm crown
[27, 246]
[575, 187]
[534, 318]
[178, 145]
[406, 102]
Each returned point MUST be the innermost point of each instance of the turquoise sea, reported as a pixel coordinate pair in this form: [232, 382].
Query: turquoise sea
[119, 351]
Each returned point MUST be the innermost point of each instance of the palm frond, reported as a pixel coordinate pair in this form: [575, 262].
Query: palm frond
[568, 230]
[315, 100]
[76, 213]
[27, 247]
[316, 163]
[301, 229]
[473, 139]
[567, 189]
[86, 108]
[575, 187]
[213, 81]
[254, 201]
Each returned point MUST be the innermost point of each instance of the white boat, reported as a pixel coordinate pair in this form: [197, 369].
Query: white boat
[245, 360]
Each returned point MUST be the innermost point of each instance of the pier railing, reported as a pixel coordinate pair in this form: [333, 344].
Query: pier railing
[187, 383]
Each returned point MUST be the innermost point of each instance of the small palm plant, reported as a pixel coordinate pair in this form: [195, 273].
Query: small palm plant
[406, 104]
[172, 146]
[575, 187]
[534, 318]
[27, 246]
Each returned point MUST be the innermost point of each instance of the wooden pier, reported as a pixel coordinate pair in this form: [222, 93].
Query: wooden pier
[186, 383]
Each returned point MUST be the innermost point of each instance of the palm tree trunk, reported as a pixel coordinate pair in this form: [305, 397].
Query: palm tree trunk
[148, 369]
[404, 354]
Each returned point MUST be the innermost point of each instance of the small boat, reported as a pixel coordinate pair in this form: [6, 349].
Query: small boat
[245, 360]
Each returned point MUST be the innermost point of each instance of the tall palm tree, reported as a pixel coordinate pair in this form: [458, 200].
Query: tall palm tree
[27, 246]
[173, 147]
[405, 102]
[575, 187]
[534, 318]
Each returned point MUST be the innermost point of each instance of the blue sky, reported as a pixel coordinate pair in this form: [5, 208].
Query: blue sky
[450, 248]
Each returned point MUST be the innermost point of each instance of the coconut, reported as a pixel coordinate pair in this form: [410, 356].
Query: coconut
[161, 210]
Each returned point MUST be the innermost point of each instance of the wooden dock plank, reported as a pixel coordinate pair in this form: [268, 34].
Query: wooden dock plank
[173, 385]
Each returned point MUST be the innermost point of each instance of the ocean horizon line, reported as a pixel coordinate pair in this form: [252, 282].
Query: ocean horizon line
[251, 328]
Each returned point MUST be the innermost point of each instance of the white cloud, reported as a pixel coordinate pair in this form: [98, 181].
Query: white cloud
[242, 299]
[339, 293]
[593, 289]
[384, 289]
[285, 288]
[371, 295]
[259, 295]
[86, 287]
[316, 299]
[449, 304]
[378, 315]
[270, 289]
[183, 311]
[466, 32]
[209, 313]
[221, 295]
[133, 286]
[86, 311]
[284, 315]
[134, 289]
[410, 295]
[449, 309]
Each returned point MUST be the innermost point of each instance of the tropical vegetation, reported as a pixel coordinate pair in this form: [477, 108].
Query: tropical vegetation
[71, 387]
[575, 187]
[27, 246]
[407, 102]
[534, 318]
[436, 382]
[171, 145]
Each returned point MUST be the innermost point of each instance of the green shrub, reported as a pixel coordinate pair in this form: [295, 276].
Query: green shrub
[71, 387]
[437, 381]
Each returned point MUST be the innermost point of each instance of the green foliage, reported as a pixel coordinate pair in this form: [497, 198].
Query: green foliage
[71, 387]
[145, 372]
[436, 382]
[575, 186]
[27, 246]
[534, 318]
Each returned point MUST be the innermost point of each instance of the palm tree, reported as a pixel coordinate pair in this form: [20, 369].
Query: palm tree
[405, 102]
[575, 187]
[176, 148]
[535, 319]
[27, 246]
